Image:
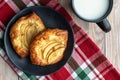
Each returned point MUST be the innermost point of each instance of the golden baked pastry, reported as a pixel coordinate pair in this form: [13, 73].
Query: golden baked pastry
[23, 31]
[48, 47]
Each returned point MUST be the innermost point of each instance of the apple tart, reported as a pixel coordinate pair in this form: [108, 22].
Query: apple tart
[48, 47]
[23, 31]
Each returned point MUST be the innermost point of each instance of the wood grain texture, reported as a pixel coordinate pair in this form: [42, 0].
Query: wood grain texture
[109, 43]
[6, 73]
[19, 79]
[113, 38]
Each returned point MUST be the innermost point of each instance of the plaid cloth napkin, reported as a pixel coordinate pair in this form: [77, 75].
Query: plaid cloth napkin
[87, 61]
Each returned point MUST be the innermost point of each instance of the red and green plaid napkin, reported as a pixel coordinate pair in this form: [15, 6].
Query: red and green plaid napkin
[87, 61]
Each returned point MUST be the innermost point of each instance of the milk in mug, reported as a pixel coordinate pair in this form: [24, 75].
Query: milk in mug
[91, 9]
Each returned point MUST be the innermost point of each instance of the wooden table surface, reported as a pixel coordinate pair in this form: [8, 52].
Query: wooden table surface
[109, 43]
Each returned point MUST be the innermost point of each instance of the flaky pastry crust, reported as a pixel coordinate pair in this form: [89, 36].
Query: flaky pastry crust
[23, 31]
[48, 47]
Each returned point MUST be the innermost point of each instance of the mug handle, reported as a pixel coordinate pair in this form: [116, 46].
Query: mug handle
[104, 25]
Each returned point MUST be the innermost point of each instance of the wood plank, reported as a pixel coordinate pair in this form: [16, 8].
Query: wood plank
[113, 38]
[6, 73]
[97, 35]
[19, 79]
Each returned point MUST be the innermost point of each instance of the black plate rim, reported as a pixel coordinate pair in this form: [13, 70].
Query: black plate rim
[5, 33]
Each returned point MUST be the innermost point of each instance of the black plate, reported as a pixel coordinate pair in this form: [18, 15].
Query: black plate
[51, 19]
